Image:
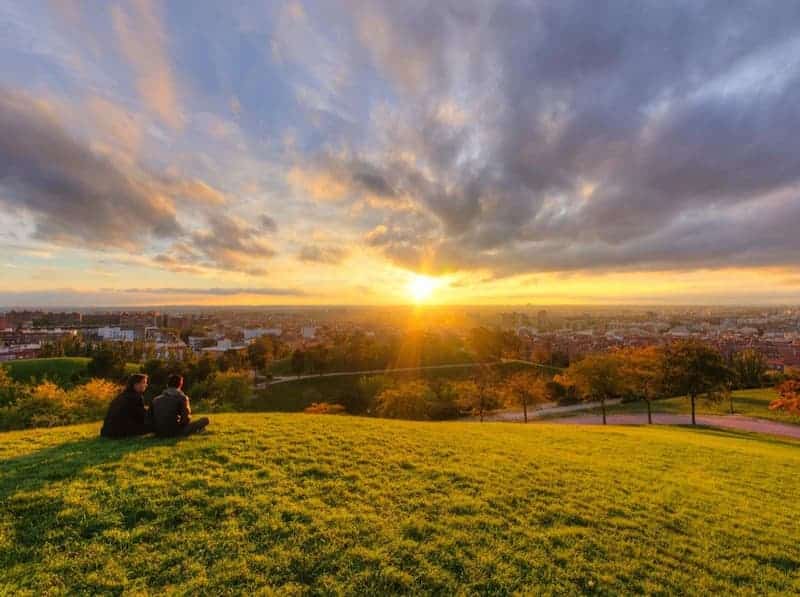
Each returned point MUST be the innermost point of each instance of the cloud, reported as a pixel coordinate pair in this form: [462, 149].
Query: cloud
[76, 196]
[214, 291]
[226, 243]
[268, 224]
[530, 137]
[328, 255]
[79, 196]
[143, 43]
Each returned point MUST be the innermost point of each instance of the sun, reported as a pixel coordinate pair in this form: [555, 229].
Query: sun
[420, 288]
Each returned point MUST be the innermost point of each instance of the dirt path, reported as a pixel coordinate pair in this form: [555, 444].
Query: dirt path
[722, 421]
[545, 410]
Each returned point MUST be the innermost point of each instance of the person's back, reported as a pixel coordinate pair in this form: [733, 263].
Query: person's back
[172, 412]
[127, 415]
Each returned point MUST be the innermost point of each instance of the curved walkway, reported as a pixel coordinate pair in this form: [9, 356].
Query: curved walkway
[722, 421]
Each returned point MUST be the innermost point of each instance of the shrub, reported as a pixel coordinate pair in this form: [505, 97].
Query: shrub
[408, 400]
[48, 405]
[324, 408]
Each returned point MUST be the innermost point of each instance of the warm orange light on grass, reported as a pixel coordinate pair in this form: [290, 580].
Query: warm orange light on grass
[420, 288]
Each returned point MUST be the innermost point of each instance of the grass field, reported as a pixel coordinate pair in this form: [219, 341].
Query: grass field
[306, 504]
[750, 403]
[57, 369]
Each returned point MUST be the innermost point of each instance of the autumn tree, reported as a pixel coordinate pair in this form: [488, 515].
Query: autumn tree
[694, 369]
[749, 368]
[479, 394]
[524, 389]
[789, 397]
[408, 400]
[597, 377]
[641, 370]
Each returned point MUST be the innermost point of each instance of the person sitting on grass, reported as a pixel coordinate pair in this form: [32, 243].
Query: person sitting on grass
[172, 415]
[127, 415]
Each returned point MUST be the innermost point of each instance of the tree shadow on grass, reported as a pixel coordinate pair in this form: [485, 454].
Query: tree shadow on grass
[36, 470]
[33, 499]
[731, 433]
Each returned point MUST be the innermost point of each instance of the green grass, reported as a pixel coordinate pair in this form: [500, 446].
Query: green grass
[302, 504]
[57, 369]
[750, 403]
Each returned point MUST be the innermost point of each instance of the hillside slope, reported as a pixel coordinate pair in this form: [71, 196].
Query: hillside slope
[306, 503]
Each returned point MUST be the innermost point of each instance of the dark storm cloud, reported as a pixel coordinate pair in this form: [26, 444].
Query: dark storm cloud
[75, 195]
[566, 136]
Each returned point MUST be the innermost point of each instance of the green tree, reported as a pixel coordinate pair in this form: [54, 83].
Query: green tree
[694, 369]
[749, 368]
[597, 377]
[107, 364]
[298, 362]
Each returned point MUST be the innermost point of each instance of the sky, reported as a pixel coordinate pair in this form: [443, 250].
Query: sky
[382, 152]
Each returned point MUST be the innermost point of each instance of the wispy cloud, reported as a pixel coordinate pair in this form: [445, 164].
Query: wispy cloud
[144, 43]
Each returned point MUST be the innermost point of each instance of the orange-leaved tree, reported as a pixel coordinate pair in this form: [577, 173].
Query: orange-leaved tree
[524, 389]
[641, 370]
[789, 392]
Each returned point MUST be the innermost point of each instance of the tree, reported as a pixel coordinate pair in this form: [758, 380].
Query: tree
[260, 353]
[524, 389]
[298, 362]
[789, 400]
[108, 364]
[480, 394]
[597, 377]
[408, 400]
[486, 344]
[641, 374]
[693, 369]
[749, 368]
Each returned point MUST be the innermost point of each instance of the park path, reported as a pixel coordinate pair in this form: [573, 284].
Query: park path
[544, 410]
[736, 422]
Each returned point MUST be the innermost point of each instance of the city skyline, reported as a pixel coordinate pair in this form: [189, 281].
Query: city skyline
[310, 152]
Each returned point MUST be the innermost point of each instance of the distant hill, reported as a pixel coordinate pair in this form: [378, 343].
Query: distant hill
[313, 504]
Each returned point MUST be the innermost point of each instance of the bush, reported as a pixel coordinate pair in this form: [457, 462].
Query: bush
[324, 408]
[48, 405]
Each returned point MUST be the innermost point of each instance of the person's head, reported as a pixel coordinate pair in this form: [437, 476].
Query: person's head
[137, 382]
[175, 381]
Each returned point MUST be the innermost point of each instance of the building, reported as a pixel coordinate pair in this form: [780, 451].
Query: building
[115, 334]
[308, 332]
[252, 333]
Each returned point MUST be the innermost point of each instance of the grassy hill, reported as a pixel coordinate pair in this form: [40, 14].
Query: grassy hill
[57, 369]
[304, 503]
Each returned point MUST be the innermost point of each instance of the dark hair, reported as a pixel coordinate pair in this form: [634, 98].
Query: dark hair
[175, 381]
[134, 379]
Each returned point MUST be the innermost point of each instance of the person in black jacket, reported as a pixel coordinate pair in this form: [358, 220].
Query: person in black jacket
[127, 415]
[172, 415]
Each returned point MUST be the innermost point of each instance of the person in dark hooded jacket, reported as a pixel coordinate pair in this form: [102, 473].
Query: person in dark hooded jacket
[172, 414]
[127, 415]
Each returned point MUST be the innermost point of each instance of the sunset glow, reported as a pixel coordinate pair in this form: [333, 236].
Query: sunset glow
[421, 288]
